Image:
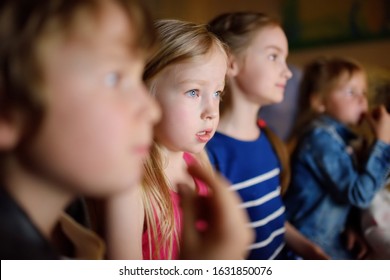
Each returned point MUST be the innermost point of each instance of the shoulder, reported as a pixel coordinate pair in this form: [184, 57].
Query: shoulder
[323, 135]
[322, 144]
[88, 245]
[20, 239]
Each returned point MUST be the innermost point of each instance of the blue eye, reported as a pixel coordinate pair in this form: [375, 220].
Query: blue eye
[192, 93]
[217, 94]
[112, 79]
[350, 92]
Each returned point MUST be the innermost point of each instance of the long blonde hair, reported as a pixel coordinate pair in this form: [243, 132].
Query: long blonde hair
[179, 41]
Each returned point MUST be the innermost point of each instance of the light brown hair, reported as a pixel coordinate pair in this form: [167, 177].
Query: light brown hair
[24, 24]
[238, 30]
[320, 76]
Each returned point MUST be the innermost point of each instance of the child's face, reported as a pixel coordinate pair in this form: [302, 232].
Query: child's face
[263, 73]
[189, 95]
[98, 126]
[347, 101]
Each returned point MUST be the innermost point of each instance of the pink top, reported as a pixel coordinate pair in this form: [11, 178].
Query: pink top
[163, 255]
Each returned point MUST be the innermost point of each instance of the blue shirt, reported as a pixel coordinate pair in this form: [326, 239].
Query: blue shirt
[326, 183]
[253, 169]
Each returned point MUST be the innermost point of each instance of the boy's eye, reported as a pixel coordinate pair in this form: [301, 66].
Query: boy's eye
[112, 79]
[192, 93]
[272, 57]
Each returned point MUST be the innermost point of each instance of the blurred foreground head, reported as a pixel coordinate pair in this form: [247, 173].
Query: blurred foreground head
[74, 111]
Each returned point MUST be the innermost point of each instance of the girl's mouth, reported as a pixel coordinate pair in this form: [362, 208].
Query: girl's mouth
[204, 136]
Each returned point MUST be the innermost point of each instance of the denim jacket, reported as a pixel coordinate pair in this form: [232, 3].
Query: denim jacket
[326, 183]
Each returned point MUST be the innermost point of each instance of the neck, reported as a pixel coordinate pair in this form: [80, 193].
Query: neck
[43, 202]
[240, 120]
[176, 170]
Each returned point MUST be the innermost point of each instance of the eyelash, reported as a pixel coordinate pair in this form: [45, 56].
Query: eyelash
[218, 94]
[196, 93]
[353, 93]
[273, 57]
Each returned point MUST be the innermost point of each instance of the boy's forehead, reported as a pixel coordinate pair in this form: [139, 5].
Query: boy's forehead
[105, 27]
[91, 40]
[110, 22]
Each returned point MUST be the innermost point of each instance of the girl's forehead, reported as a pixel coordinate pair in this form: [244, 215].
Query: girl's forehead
[356, 78]
[270, 36]
[214, 54]
[269, 33]
[351, 76]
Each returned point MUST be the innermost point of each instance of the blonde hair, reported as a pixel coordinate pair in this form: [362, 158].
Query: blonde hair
[179, 41]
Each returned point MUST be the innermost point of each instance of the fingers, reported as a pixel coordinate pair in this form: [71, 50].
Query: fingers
[227, 223]
[222, 197]
[378, 112]
[351, 240]
[370, 120]
[320, 254]
[188, 206]
[213, 180]
[379, 121]
[363, 250]
[224, 203]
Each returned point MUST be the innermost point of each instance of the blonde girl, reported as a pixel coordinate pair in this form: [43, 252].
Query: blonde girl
[186, 75]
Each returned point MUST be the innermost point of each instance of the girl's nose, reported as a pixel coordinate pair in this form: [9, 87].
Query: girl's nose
[210, 108]
[287, 72]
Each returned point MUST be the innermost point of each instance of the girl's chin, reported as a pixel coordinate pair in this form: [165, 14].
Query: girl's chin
[198, 149]
[277, 99]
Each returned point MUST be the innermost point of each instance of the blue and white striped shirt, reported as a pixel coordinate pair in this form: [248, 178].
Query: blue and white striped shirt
[253, 169]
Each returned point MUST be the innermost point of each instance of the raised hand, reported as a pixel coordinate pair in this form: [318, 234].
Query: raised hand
[227, 234]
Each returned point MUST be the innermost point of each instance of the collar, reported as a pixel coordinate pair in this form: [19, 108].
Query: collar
[342, 130]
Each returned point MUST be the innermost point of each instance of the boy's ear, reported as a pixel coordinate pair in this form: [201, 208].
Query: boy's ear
[10, 130]
[317, 103]
[233, 66]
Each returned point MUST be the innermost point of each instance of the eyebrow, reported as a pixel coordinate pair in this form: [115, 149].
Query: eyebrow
[279, 50]
[274, 47]
[199, 82]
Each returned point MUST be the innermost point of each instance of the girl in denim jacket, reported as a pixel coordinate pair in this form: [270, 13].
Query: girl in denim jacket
[327, 179]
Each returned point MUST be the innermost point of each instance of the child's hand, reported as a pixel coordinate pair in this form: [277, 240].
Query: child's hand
[356, 243]
[302, 246]
[227, 234]
[379, 120]
[316, 253]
